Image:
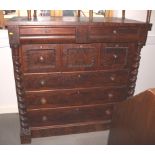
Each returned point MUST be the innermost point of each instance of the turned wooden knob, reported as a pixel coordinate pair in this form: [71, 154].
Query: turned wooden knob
[43, 100]
[79, 76]
[44, 118]
[78, 92]
[114, 31]
[110, 95]
[41, 59]
[42, 82]
[108, 112]
[115, 56]
[112, 78]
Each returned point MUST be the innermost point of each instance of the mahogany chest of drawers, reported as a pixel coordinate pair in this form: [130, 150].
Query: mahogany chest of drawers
[69, 72]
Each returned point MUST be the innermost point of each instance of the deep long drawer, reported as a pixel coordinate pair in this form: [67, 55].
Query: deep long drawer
[67, 80]
[73, 97]
[69, 115]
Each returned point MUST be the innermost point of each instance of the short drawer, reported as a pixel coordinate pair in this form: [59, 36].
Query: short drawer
[73, 97]
[40, 57]
[111, 34]
[67, 80]
[69, 115]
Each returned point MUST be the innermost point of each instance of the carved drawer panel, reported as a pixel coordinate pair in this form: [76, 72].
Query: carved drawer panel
[69, 115]
[115, 56]
[40, 58]
[80, 56]
[79, 96]
[111, 34]
[75, 79]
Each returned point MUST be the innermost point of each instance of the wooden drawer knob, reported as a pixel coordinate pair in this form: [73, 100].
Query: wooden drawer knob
[112, 78]
[110, 95]
[79, 76]
[78, 92]
[114, 31]
[42, 82]
[81, 46]
[115, 56]
[43, 101]
[108, 112]
[41, 59]
[116, 45]
[44, 118]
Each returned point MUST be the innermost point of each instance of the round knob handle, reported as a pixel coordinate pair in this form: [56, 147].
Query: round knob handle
[79, 76]
[11, 33]
[44, 118]
[110, 95]
[43, 101]
[112, 78]
[42, 82]
[108, 112]
[81, 46]
[114, 32]
[41, 59]
[78, 92]
[116, 45]
[41, 47]
[115, 56]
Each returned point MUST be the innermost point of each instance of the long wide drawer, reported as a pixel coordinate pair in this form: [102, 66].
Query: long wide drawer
[75, 79]
[73, 97]
[69, 115]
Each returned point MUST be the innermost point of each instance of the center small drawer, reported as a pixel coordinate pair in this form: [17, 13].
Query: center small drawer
[67, 80]
[70, 115]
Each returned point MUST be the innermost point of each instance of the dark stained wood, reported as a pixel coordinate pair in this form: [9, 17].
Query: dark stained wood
[73, 70]
[133, 120]
[69, 115]
[65, 80]
[74, 97]
[69, 128]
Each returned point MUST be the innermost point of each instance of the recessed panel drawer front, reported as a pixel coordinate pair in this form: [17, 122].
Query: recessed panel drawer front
[80, 56]
[40, 58]
[70, 115]
[115, 56]
[67, 80]
[79, 96]
[111, 34]
[51, 34]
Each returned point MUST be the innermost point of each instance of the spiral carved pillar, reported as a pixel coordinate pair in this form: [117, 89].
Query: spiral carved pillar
[134, 70]
[25, 130]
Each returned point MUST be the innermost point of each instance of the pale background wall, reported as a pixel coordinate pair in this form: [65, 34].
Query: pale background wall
[146, 75]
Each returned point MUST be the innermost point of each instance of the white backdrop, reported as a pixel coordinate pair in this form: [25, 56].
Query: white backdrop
[146, 75]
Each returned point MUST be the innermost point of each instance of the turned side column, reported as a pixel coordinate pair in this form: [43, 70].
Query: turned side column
[25, 133]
